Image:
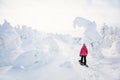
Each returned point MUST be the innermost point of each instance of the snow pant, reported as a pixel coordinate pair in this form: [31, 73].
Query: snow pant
[83, 58]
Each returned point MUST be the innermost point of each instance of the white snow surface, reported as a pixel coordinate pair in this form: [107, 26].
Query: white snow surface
[26, 54]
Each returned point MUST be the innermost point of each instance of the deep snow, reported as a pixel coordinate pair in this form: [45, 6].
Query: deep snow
[26, 54]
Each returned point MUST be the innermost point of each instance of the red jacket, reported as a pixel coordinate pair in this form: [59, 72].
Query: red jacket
[83, 51]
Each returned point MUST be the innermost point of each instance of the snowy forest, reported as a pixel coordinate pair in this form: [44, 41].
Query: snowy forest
[28, 54]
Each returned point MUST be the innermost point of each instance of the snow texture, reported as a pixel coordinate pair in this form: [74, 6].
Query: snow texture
[26, 54]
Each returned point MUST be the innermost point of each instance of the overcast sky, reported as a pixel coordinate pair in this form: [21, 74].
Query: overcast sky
[58, 15]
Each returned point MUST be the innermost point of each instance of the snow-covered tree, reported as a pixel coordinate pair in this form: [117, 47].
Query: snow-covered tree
[110, 34]
[10, 44]
[90, 36]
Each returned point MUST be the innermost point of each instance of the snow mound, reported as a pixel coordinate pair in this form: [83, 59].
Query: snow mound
[32, 59]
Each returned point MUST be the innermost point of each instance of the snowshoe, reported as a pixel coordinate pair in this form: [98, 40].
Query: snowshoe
[83, 64]
[86, 65]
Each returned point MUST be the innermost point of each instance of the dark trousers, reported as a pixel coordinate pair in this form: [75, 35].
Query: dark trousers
[83, 58]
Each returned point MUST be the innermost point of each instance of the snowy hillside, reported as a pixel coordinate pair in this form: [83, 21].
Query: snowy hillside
[26, 54]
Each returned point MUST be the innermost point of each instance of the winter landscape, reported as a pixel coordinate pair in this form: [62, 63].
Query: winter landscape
[27, 53]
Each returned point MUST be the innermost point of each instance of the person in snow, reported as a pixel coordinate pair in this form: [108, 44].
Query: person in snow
[83, 54]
